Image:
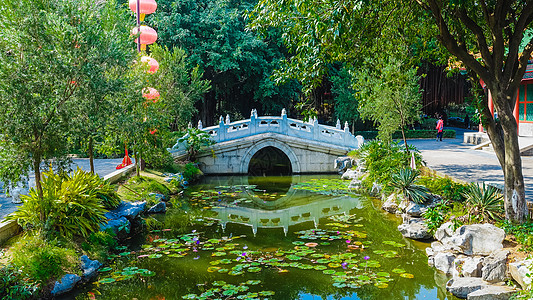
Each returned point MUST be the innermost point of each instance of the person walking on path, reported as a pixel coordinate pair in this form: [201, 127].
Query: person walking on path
[440, 128]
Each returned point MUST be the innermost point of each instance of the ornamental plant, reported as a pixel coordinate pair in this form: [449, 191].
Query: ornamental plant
[484, 202]
[72, 204]
[404, 182]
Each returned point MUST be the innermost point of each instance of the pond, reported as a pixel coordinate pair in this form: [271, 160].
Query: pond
[289, 237]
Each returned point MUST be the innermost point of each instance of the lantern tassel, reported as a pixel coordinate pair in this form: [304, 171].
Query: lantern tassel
[143, 47]
[141, 17]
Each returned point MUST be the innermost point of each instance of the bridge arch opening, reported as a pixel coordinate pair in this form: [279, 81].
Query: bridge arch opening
[269, 161]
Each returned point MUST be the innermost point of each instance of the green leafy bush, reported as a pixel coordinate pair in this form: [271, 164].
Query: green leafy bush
[404, 182]
[99, 243]
[13, 285]
[196, 141]
[436, 216]
[70, 205]
[191, 172]
[483, 202]
[41, 260]
[383, 159]
[445, 187]
[522, 232]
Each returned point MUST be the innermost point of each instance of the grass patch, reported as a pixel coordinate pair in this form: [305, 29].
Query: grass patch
[138, 188]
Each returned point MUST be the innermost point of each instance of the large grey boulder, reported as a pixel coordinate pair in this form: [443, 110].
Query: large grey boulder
[443, 261]
[415, 210]
[350, 174]
[460, 287]
[415, 229]
[391, 204]
[492, 292]
[129, 210]
[478, 239]
[89, 267]
[117, 225]
[495, 266]
[66, 284]
[160, 207]
[444, 231]
[472, 266]
[519, 271]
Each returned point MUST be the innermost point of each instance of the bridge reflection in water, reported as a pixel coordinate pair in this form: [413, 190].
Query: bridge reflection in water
[294, 207]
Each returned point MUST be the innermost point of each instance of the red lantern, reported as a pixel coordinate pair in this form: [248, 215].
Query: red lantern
[146, 7]
[153, 131]
[148, 35]
[154, 65]
[151, 94]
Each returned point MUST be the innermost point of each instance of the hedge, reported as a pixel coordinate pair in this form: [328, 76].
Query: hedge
[410, 134]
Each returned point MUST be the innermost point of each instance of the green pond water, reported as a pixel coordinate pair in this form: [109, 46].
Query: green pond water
[294, 237]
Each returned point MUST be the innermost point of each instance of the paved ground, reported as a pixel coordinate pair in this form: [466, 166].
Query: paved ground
[454, 158]
[101, 166]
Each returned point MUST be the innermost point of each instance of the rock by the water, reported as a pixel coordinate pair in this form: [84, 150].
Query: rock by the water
[160, 207]
[391, 204]
[117, 225]
[66, 284]
[343, 163]
[350, 174]
[478, 239]
[415, 229]
[89, 267]
[495, 266]
[492, 292]
[129, 210]
[462, 286]
[443, 262]
[472, 266]
[444, 231]
[519, 271]
[415, 209]
[157, 196]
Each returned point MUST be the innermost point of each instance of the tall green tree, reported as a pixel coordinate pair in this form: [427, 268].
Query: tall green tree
[237, 62]
[100, 78]
[45, 50]
[390, 97]
[486, 37]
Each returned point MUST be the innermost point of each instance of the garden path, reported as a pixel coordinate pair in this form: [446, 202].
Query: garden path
[456, 159]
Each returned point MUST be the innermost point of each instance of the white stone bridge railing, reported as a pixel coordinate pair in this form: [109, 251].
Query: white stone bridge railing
[227, 130]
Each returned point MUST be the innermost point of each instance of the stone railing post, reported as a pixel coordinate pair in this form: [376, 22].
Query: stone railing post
[253, 122]
[316, 130]
[221, 130]
[284, 126]
[347, 134]
[338, 126]
[200, 125]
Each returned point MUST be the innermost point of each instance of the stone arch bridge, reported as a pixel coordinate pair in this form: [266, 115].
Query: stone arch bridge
[276, 142]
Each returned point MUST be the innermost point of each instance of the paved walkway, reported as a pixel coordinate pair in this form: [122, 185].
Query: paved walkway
[455, 158]
[102, 167]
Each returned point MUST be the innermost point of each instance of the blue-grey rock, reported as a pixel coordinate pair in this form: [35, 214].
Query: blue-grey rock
[129, 210]
[117, 225]
[160, 207]
[89, 267]
[157, 196]
[66, 285]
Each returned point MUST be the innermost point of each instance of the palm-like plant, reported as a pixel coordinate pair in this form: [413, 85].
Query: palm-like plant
[483, 201]
[404, 181]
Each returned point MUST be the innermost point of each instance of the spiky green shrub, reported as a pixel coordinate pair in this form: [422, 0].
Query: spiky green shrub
[71, 205]
[484, 202]
[404, 181]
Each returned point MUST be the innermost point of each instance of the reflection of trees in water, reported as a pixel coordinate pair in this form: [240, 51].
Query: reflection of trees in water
[269, 161]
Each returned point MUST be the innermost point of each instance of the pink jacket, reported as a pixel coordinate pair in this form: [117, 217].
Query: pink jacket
[440, 125]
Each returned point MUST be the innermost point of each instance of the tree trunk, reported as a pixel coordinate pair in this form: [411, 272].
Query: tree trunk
[38, 186]
[91, 154]
[514, 192]
[137, 164]
[405, 140]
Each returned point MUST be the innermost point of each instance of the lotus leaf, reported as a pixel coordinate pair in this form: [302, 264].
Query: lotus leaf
[407, 275]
